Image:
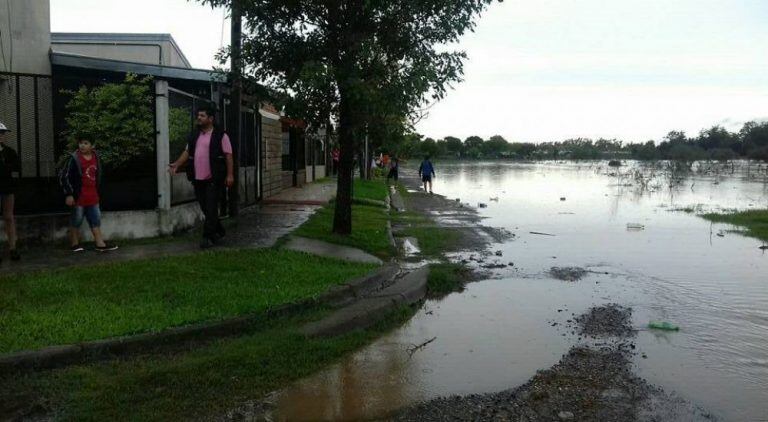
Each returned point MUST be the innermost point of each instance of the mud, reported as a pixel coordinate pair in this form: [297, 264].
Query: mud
[608, 320]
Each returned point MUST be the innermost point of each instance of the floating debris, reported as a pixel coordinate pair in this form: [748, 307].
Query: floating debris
[635, 226]
[481, 205]
[541, 234]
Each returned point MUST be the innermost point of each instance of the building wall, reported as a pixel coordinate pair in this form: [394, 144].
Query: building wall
[26, 36]
[137, 51]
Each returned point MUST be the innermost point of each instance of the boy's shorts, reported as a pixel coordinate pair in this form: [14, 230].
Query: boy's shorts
[426, 178]
[92, 213]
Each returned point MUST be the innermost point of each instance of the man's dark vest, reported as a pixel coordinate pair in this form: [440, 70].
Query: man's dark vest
[215, 155]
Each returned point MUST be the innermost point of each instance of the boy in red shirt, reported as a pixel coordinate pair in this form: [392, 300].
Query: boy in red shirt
[80, 180]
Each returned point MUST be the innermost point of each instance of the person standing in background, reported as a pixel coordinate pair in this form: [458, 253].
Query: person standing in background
[9, 164]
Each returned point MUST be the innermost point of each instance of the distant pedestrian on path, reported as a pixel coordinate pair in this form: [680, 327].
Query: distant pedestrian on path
[335, 158]
[9, 164]
[394, 167]
[81, 179]
[210, 170]
[427, 172]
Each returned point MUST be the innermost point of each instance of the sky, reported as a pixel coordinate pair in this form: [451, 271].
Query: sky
[546, 70]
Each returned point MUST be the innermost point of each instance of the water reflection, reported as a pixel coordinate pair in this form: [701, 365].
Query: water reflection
[497, 333]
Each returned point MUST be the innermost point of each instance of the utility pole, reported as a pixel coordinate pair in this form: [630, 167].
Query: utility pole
[236, 96]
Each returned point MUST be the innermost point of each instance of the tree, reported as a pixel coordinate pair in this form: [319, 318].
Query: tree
[473, 143]
[118, 115]
[453, 145]
[496, 146]
[366, 55]
[754, 136]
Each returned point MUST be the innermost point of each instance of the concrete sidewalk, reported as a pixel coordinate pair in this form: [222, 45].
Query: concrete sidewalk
[260, 225]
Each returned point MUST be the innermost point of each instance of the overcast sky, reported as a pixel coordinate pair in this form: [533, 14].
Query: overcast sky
[546, 69]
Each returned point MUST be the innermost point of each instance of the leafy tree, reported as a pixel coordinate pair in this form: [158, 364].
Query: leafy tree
[496, 146]
[453, 145]
[361, 56]
[754, 135]
[717, 137]
[475, 142]
[119, 117]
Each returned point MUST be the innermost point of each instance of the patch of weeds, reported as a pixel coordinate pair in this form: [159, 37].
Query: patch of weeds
[374, 189]
[755, 222]
[446, 277]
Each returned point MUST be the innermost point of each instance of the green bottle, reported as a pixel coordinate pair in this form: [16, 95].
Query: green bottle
[663, 325]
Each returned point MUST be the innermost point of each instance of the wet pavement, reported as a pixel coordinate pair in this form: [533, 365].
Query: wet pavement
[620, 228]
[256, 226]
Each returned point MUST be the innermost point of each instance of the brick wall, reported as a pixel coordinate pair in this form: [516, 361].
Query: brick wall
[272, 150]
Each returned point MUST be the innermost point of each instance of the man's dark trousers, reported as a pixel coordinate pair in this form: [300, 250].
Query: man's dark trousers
[207, 193]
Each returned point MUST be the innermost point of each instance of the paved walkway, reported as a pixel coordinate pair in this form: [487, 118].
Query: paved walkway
[330, 250]
[257, 226]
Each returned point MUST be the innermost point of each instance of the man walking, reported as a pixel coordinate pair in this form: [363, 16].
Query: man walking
[427, 172]
[209, 170]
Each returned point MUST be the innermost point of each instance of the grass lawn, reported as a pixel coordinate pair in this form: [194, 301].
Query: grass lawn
[370, 189]
[101, 301]
[369, 229]
[201, 384]
[755, 222]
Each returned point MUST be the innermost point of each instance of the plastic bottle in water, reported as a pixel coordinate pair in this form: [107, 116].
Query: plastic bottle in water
[663, 325]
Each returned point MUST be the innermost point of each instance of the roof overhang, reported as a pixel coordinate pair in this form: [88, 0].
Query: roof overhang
[164, 72]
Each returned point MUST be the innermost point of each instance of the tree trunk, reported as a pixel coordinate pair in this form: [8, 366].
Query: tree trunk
[342, 217]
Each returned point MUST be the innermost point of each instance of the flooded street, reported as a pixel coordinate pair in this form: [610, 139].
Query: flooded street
[671, 266]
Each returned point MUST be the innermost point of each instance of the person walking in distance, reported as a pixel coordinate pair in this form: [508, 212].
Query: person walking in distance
[393, 169]
[210, 168]
[9, 164]
[427, 172]
[81, 179]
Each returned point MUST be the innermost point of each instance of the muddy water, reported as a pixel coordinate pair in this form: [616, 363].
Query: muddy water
[498, 332]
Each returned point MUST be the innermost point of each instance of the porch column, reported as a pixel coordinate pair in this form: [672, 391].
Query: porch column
[162, 145]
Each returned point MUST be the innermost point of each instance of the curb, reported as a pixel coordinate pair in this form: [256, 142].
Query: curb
[89, 351]
[362, 314]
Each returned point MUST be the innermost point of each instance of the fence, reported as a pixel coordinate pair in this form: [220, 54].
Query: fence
[26, 108]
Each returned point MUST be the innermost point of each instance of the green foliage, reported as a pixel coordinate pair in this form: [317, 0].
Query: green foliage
[118, 116]
[180, 124]
[89, 303]
[433, 240]
[370, 189]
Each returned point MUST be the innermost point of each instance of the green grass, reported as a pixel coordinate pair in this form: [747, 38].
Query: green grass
[433, 240]
[101, 301]
[202, 384]
[370, 189]
[445, 278]
[369, 229]
[754, 222]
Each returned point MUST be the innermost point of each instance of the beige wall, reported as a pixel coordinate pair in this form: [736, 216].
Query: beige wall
[26, 36]
[161, 52]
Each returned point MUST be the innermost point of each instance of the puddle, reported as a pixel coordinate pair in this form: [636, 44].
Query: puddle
[498, 332]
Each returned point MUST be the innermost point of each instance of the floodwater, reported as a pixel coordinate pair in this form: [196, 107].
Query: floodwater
[497, 333]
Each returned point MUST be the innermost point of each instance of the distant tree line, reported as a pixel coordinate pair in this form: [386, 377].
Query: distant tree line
[715, 143]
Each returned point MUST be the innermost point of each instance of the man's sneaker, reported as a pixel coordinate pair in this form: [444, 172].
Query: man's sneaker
[15, 255]
[78, 248]
[206, 243]
[107, 247]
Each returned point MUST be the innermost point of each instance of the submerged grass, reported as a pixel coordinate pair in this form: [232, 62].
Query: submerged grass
[755, 222]
[88, 303]
[433, 240]
[201, 384]
[446, 277]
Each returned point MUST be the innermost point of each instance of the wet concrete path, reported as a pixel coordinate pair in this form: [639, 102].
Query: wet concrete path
[257, 226]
